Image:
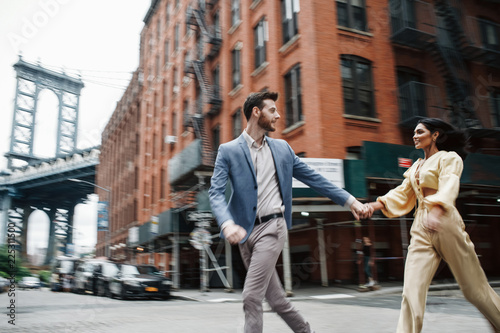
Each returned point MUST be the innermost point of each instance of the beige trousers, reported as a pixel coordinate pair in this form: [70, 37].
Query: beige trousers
[260, 253]
[425, 252]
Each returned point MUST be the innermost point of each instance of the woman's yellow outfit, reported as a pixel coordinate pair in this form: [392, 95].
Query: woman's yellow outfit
[440, 172]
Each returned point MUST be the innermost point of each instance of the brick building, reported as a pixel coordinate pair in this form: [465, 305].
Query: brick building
[353, 77]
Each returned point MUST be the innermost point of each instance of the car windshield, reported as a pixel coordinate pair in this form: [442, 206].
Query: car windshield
[148, 270]
[129, 270]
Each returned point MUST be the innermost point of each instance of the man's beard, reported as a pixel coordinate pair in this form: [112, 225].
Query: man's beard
[265, 124]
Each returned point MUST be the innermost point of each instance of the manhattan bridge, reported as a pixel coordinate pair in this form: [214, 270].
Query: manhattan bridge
[49, 184]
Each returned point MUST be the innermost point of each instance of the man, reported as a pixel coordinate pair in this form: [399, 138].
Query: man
[260, 170]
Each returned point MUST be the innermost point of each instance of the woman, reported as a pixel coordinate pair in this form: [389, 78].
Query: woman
[431, 185]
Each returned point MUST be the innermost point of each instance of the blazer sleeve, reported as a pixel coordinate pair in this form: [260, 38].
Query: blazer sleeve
[400, 200]
[217, 191]
[450, 170]
[310, 177]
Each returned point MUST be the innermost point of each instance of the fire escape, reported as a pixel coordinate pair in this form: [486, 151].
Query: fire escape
[199, 157]
[414, 24]
[208, 102]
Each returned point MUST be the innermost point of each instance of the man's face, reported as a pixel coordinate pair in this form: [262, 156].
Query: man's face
[268, 116]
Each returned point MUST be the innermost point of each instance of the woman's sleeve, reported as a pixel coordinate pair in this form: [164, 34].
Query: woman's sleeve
[450, 170]
[400, 200]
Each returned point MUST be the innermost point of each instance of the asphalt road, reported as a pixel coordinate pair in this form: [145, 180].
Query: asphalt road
[46, 311]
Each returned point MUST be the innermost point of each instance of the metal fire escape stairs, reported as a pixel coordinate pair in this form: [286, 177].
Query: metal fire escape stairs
[196, 20]
[446, 51]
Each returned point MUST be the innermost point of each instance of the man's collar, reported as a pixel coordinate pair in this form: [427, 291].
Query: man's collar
[250, 141]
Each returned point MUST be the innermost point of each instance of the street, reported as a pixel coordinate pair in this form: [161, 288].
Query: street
[46, 311]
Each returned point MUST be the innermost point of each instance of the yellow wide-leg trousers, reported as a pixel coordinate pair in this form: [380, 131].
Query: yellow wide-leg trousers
[425, 252]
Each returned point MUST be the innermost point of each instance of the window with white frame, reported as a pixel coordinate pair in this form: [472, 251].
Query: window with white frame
[293, 97]
[259, 35]
[236, 70]
[289, 19]
[235, 12]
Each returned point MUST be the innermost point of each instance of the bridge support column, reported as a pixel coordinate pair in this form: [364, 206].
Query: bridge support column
[70, 230]
[52, 235]
[27, 210]
[5, 201]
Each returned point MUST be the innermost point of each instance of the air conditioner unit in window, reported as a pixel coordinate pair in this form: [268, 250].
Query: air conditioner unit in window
[170, 139]
[176, 89]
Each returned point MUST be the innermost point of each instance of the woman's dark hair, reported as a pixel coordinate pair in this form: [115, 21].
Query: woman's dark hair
[449, 139]
[257, 99]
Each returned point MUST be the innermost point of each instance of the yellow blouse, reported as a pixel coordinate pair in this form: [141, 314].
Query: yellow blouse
[441, 172]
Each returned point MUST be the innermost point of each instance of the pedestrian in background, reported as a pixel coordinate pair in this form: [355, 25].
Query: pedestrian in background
[260, 170]
[367, 259]
[431, 186]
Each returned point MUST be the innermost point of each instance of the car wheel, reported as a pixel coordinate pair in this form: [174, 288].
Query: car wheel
[123, 293]
[108, 292]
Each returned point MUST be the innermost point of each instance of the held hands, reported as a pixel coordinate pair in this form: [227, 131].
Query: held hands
[234, 233]
[361, 211]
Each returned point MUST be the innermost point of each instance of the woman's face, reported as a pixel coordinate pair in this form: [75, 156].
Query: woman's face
[422, 137]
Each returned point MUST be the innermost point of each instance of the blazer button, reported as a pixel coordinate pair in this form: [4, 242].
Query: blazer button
[255, 187]
[255, 208]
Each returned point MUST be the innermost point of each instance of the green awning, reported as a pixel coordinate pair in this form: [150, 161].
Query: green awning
[388, 161]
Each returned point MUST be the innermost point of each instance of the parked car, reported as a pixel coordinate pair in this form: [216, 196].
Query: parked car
[94, 275]
[29, 282]
[140, 281]
[62, 268]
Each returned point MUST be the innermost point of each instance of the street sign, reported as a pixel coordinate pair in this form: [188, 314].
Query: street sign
[154, 225]
[199, 215]
[199, 238]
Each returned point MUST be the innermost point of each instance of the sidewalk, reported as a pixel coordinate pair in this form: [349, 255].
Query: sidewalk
[218, 295]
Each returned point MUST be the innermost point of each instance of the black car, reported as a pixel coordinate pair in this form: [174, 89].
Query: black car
[140, 281]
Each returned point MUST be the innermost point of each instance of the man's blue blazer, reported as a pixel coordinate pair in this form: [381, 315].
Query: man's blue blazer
[234, 164]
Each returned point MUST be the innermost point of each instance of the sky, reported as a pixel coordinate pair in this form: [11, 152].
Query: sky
[97, 39]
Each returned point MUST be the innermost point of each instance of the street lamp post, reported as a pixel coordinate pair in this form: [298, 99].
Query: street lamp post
[108, 191]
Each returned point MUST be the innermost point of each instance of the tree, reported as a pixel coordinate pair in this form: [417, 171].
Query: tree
[11, 263]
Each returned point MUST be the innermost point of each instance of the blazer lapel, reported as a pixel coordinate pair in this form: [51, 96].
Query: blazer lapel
[244, 147]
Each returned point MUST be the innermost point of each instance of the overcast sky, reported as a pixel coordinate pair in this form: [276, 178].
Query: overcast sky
[98, 40]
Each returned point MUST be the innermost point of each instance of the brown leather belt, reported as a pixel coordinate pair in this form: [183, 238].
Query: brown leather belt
[267, 218]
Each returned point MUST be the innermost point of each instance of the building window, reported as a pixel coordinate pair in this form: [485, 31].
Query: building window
[289, 19]
[357, 86]
[167, 52]
[176, 37]
[293, 96]
[259, 40]
[165, 93]
[235, 56]
[216, 138]
[351, 14]
[174, 123]
[237, 123]
[495, 115]
[235, 12]
[490, 34]
[168, 10]
[412, 101]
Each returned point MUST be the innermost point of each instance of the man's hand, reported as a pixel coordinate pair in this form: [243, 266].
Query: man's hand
[234, 233]
[360, 211]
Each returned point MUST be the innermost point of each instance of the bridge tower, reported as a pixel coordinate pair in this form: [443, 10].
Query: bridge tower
[31, 79]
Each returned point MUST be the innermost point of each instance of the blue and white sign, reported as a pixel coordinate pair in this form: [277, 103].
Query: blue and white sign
[102, 216]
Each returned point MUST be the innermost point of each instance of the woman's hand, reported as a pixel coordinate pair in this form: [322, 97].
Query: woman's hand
[433, 221]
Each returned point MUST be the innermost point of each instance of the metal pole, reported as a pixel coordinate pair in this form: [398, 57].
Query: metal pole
[322, 255]
[229, 264]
